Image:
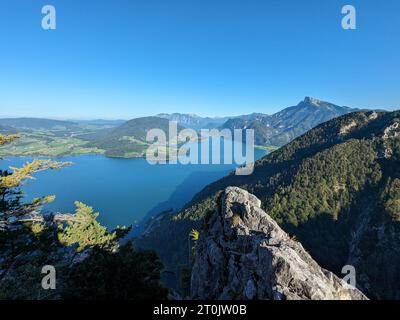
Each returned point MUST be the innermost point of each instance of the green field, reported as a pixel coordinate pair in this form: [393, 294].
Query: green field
[52, 138]
[268, 148]
[45, 143]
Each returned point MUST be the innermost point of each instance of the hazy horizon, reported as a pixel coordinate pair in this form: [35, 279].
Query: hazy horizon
[67, 118]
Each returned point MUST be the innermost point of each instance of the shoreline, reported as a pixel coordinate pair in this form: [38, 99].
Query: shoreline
[4, 156]
[267, 148]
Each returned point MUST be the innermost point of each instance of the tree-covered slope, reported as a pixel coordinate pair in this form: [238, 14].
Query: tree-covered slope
[336, 188]
[128, 139]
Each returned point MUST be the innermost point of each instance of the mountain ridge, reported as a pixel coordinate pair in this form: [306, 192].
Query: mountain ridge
[36, 123]
[193, 121]
[285, 125]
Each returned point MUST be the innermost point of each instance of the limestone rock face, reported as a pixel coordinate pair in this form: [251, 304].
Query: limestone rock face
[244, 254]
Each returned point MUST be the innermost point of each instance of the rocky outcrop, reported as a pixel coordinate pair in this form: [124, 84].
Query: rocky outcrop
[390, 133]
[244, 254]
[312, 101]
[346, 128]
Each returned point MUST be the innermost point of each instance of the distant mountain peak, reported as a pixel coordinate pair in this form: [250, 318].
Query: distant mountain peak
[312, 101]
[289, 123]
[176, 114]
[193, 121]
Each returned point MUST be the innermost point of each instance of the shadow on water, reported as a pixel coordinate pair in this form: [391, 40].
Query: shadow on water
[182, 194]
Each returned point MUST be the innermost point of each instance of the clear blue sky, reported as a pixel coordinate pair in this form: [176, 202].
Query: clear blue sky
[129, 58]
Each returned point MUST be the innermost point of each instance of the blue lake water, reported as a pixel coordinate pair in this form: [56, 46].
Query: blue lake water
[124, 191]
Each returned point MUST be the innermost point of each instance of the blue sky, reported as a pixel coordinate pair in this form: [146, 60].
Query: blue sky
[129, 58]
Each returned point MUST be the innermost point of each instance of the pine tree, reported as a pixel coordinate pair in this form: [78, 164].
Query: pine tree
[84, 229]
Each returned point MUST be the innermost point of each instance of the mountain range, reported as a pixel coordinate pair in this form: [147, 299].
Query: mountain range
[336, 189]
[283, 126]
[129, 138]
[269, 130]
[118, 138]
[29, 124]
[194, 121]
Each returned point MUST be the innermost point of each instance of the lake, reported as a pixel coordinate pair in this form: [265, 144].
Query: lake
[124, 191]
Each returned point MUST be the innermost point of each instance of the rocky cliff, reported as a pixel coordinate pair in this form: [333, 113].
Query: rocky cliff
[244, 254]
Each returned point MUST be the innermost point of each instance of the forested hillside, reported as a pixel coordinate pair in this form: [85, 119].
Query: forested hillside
[128, 139]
